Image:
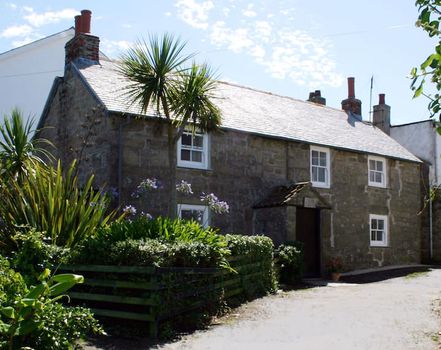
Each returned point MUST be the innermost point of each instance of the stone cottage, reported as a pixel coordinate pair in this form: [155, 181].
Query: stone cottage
[289, 169]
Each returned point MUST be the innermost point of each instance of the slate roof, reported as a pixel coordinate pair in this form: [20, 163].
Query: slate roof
[263, 113]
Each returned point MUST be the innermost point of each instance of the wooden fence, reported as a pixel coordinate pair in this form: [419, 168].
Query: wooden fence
[155, 294]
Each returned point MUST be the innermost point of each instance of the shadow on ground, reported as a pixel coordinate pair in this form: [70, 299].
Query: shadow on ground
[378, 276]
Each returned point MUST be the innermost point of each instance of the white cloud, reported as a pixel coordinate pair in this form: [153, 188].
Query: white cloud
[234, 39]
[16, 31]
[39, 19]
[114, 48]
[194, 13]
[249, 13]
[11, 6]
[168, 14]
[271, 41]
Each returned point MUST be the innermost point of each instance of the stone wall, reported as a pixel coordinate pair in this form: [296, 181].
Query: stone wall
[243, 169]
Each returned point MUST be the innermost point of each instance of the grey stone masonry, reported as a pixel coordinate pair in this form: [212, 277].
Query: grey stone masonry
[243, 169]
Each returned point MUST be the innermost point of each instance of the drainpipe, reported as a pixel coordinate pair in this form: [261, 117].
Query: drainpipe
[430, 230]
[120, 158]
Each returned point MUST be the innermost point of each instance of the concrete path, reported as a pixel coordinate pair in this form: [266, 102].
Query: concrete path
[394, 314]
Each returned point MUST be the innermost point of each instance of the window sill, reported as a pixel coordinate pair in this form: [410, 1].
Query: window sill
[370, 184]
[320, 185]
[379, 245]
[186, 167]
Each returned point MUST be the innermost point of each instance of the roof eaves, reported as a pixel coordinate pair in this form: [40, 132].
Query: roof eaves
[285, 138]
[52, 92]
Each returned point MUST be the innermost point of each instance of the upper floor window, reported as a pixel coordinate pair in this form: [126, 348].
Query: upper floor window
[320, 167]
[193, 150]
[378, 230]
[199, 213]
[377, 171]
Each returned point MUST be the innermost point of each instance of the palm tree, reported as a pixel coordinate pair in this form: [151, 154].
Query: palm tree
[184, 96]
[19, 151]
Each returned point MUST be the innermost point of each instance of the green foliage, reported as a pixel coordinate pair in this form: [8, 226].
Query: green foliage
[256, 249]
[62, 326]
[50, 201]
[12, 285]
[158, 242]
[19, 152]
[35, 254]
[289, 262]
[33, 318]
[429, 20]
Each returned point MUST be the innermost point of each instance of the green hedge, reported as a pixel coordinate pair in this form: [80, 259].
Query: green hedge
[159, 242]
[256, 249]
[289, 262]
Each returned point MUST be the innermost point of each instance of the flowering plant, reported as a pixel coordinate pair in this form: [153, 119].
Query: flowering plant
[334, 264]
[211, 200]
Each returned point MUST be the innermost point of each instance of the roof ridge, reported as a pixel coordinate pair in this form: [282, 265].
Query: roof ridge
[35, 42]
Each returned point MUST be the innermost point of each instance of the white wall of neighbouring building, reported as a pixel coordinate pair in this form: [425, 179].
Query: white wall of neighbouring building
[27, 74]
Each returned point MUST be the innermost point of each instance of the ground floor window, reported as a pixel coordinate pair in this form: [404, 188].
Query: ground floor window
[378, 230]
[198, 213]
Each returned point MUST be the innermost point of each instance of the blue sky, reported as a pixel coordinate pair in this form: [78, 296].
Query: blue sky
[285, 47]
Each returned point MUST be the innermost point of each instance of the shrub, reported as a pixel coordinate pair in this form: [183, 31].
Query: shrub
[289, 262]
[34, 319]
[35, 254]
[51, 201]
[256, 249]
[12, 285]
[158, 242]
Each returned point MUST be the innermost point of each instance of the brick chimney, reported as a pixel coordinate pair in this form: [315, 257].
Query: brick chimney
[381, 117]
[83, 44]
[351, 104]
[316, 97]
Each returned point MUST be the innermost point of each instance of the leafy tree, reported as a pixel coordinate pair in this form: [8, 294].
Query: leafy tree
[183, 96]
[429, 20]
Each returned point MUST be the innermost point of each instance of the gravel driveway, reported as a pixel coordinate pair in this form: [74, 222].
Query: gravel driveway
[398, 313]
[394, 314]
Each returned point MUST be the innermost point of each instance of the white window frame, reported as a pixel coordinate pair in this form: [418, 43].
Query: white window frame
[205, 151]
[203, 208]
[383, 183]
[327, 182]
[385, 241]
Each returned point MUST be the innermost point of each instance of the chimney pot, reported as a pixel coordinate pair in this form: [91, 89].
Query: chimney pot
[77, 25]
[316, 97]
[382, 99]
[85, 21]
[351, 89]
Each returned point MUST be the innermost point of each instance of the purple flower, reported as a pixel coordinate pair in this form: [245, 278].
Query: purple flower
[129, 210]
[184, 187]
[144, 186]
[217, 206]
[113, 192]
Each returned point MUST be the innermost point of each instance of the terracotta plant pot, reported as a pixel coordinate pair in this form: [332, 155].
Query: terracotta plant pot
[335, 276]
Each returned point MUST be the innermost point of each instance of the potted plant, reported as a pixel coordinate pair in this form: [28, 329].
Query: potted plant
[334, 267]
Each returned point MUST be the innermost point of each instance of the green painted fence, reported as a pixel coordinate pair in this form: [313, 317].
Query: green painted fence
[155, 294]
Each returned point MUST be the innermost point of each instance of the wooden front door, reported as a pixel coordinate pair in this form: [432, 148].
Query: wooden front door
[308, 232]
